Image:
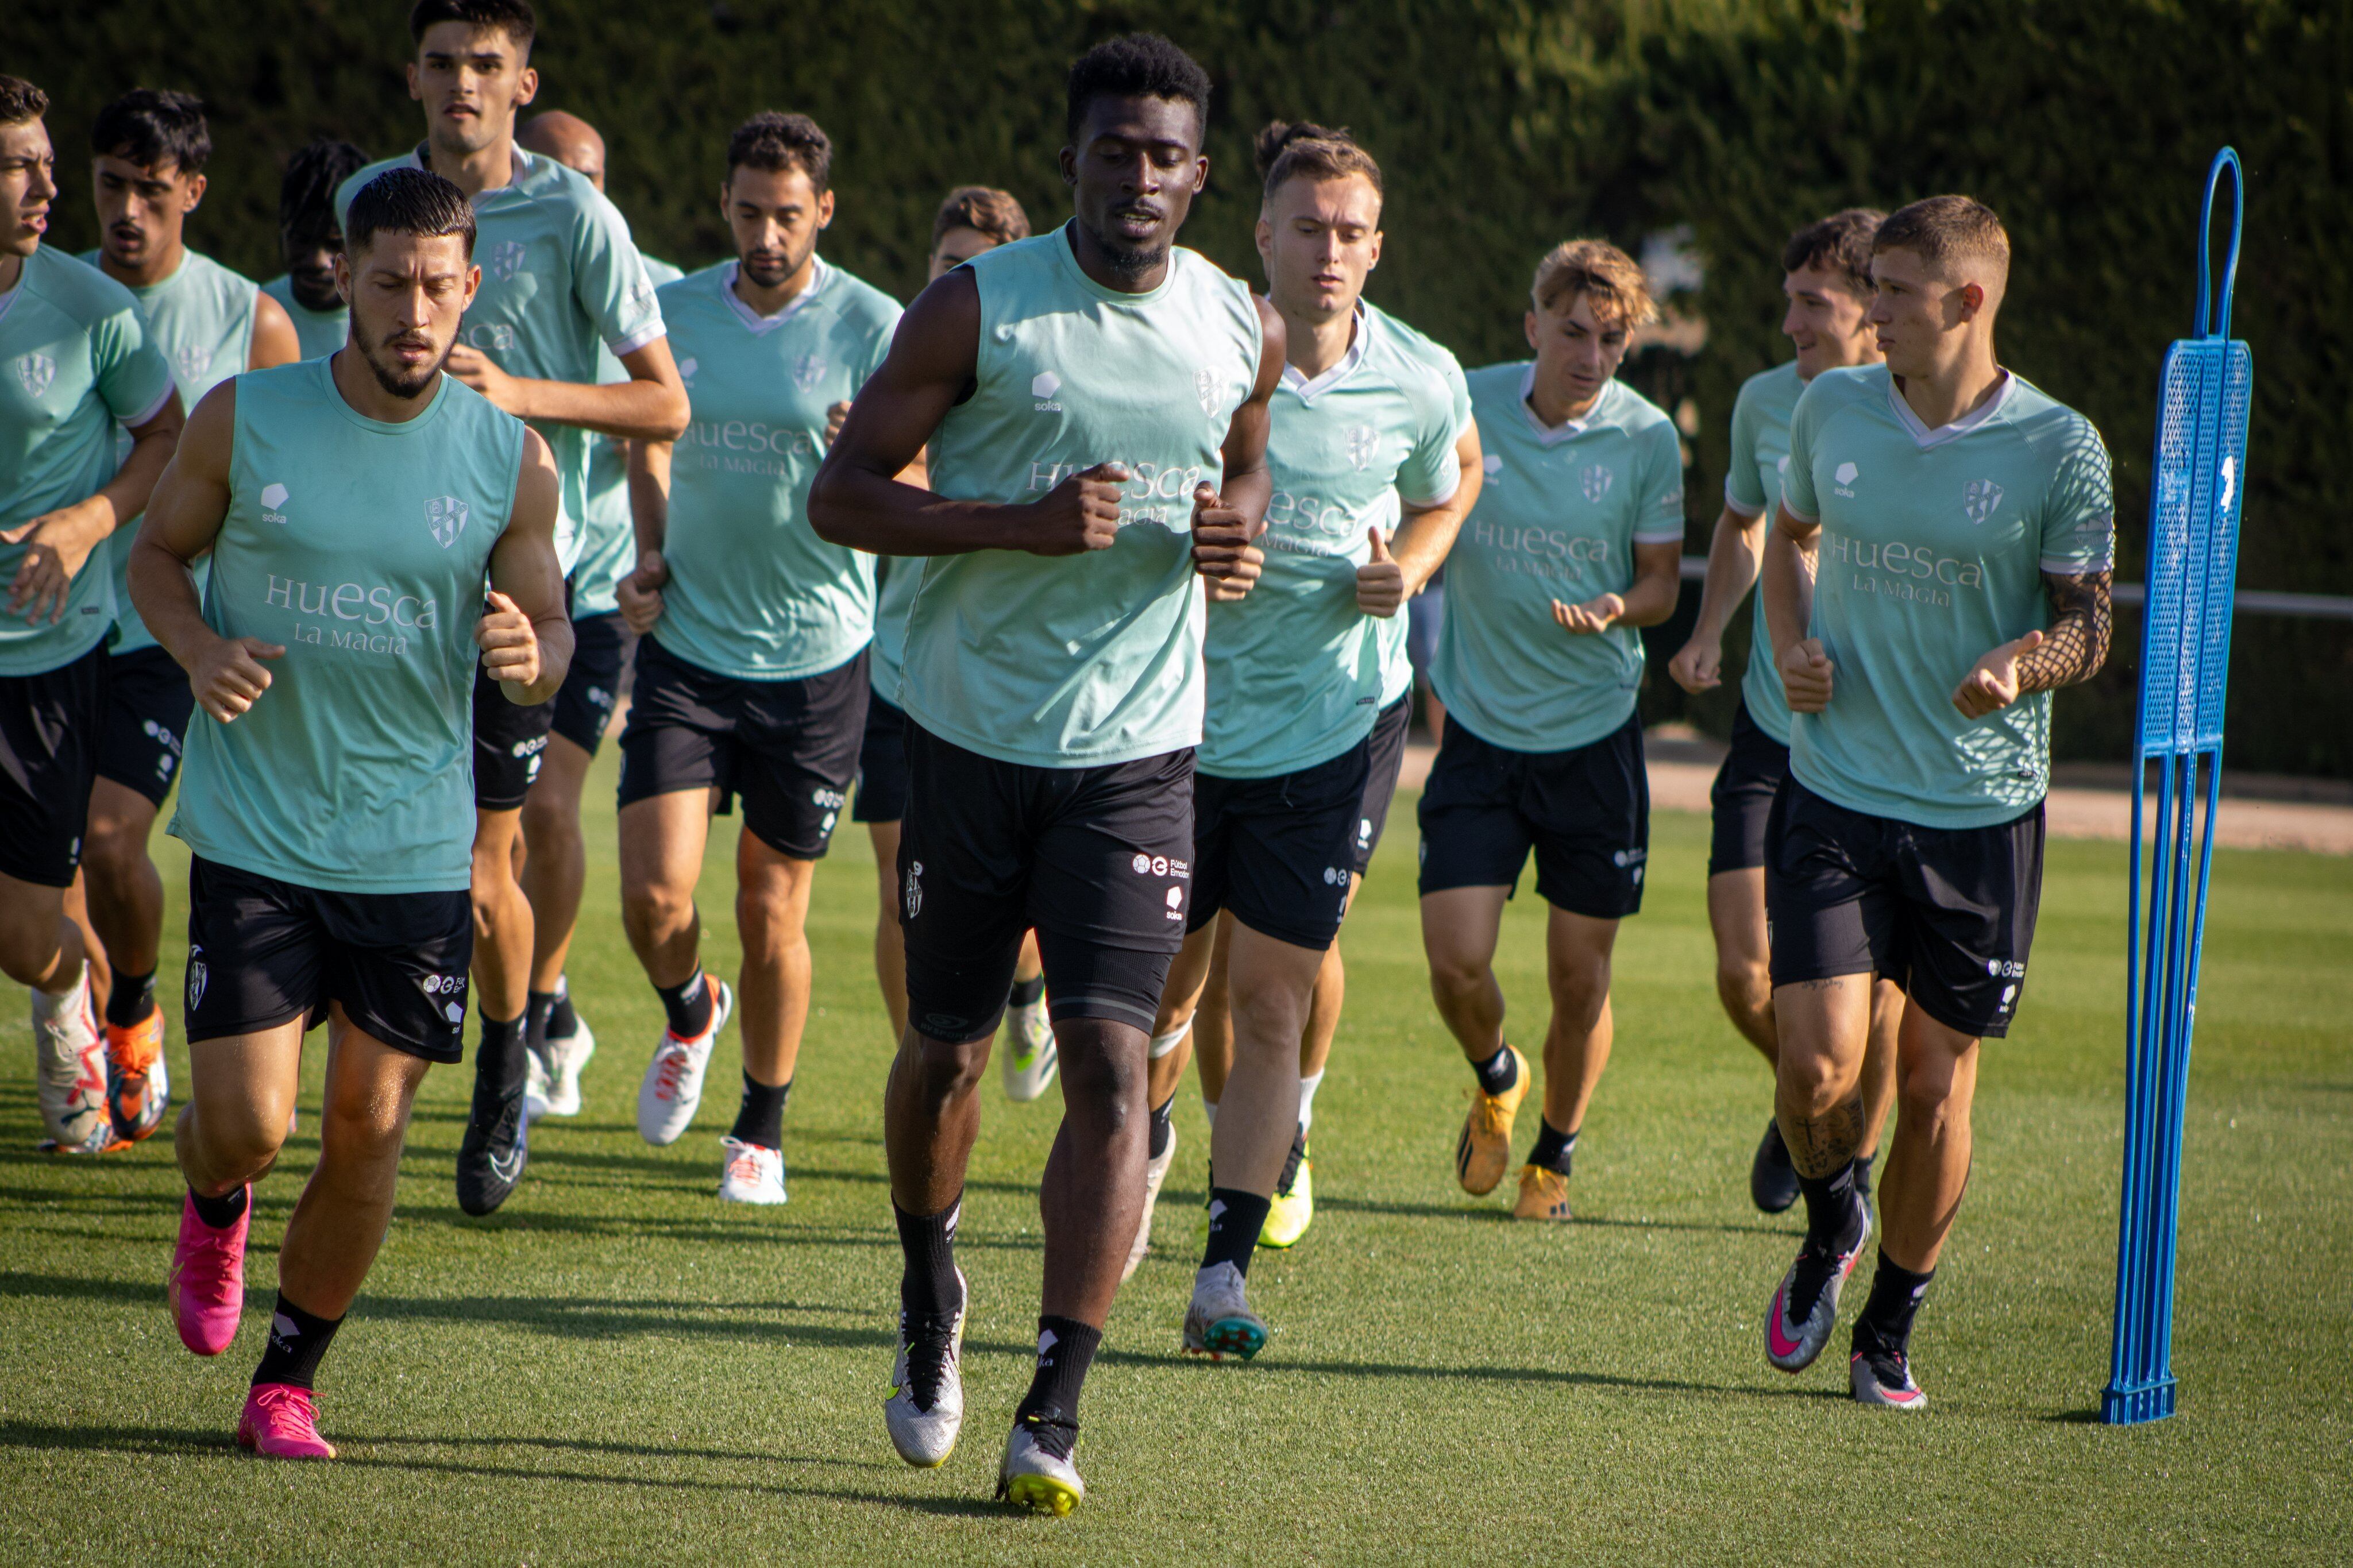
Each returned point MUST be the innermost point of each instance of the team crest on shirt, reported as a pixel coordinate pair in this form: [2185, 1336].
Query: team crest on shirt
[507, 259]
[193, 360]
[34, 372]
[1596, 480]
[1979, 499]
[808, 371]
[445, 516]
[1364, 444]
[1205, 387]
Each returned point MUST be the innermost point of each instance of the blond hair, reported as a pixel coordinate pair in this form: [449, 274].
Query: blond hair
[1605, 275]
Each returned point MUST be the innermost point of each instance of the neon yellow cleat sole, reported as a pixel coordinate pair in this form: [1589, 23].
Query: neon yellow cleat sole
[1292, 1212]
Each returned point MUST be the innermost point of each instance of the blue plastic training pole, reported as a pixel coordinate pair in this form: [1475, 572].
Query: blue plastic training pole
[2197, 484]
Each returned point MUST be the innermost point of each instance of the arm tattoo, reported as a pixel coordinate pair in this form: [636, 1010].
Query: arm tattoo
[1820, 1144]
[2076, 642]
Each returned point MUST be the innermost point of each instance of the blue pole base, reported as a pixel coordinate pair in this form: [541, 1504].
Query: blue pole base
[2131, 1407]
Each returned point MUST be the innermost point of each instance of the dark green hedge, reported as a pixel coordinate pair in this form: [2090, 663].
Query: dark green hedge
[1503, 127]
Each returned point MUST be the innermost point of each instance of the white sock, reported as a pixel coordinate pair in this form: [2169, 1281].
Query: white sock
[49, 1005]
[1307, 1087]
[1164, 1044]
[1209, 1109]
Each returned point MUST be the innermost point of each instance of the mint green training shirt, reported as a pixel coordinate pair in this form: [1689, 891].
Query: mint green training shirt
[202, 318]
[753, 593]
[76, 359]
[318, 332]
[1558, 518]
[560, 277]
[1931, 555]
[1296, 670]
[608, 546]
[1752, 485]
[1092, 659]
[361, 547]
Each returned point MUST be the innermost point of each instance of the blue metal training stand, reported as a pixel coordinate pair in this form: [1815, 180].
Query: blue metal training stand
[2197, 485]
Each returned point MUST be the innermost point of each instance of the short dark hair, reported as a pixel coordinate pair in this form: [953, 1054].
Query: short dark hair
[409, 201]
[776, 141]
[984, 210]
[155, 128]
[1290, 150]
[1839, 244]
[20, 100]
[306, 195]
[1135, 65]
[1947, 229]
[512, 17]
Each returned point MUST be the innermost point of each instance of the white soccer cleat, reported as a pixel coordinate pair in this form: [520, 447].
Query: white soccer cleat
[753, 1174]
[1218, 1321]
[1155, 1172]
[567, 1056]
[1036, 1474]
[1030, 1057]
[72, 1056]
[535, 1085]
[925, 1410]
[673, 1089]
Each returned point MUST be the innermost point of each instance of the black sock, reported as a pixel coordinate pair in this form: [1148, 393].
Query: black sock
[1498, 1072]
[499, 1060]
[219, 1213]
[1886, 1321]
[562, 1022]
[1066, 1348]
[1862, 1175]
[1235, 1219]
[689, 1006]
[133, 998]
[1025, 992]
[297, 1342]
[1833, 1215]
[927, 1286]
[762, 1118]
[1555, 1149]
[536, 1007]
[1163, 1129]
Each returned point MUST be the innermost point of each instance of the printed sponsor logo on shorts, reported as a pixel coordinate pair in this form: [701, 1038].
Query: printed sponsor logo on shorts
[197, 975]
[597, 697]
[914, 889]
[447, 993]
[1363, 833]
[532, 747]
[1176, 903]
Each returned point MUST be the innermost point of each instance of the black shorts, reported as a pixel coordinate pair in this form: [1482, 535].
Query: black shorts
[1095, 858]
[1386, 748]
[788, 747]
[881, 764]
[1945, 912]
[50, 728]
[508, 742]
[1278, 851]
[584, 703]
[1741, 800]
[261, 952]
[148, 704]
[1585, 812]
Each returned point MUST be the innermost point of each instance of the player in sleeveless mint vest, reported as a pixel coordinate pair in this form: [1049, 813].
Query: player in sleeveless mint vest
[751, 675]
[76, 362]
[971, 219]
[1576, 540]
[1095, 401]
[353, 506]
[309, 235]
[560, 279]
[1940, 564]
[1826, 269]
[555, 862]
[1371, 433]
[147, 174]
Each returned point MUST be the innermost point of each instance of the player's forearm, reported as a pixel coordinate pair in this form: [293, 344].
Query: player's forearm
[126, 495]
[1249, 490]
[865, 510]
[649, 495]
[163, 591]
[638, 410]
[554, 635]
[1652, 597]
[2075, 644]
[1424, 539]
[1788, 587]
[1734, 557]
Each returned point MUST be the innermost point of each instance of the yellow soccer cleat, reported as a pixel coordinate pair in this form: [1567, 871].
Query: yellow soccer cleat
[1484, 1151]
[1544, 1194]
[1292, 1208]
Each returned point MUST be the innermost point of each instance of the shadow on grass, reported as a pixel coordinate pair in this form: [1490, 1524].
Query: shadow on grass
[1493, 1215]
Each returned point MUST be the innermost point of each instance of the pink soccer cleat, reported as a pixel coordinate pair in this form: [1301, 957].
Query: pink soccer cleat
[281, 1422]
[207, 1283]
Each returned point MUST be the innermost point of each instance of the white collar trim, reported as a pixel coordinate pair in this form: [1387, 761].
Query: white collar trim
[519, 167]
[1553, 435]
[1924, 438]
[756, 323]
[1309, 389]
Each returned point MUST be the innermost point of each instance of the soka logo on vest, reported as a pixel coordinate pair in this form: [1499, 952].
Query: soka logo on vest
[1042, 386]
[34, 372]
[1845, 478]
[444, 518]
[273, 502]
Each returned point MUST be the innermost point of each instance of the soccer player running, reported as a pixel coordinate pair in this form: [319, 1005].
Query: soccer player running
[555, 862]
[751, 673]
[1826, 268]
[147, 174]
[1940, 564]
[76, 360]
[1095, 401]
[560, 279]
[353, 507]
[1575, 544]
[309, 239]
[973, 218]
[1306, 719]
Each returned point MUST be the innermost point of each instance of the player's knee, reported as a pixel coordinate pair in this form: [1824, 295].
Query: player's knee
[767, 917]
[653, 910]
[1457, 975]
[240, 1141]
[113, 848]
[30, 930]
[1746, 988]
[547, 819]
[1811, 1082]
[1109, 1083]
[943, 1070]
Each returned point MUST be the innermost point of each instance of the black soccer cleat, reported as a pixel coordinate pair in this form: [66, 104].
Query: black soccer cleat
[494, 1150]
[1772, 1176]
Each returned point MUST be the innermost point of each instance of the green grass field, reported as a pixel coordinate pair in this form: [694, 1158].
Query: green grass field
[617, 1368]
